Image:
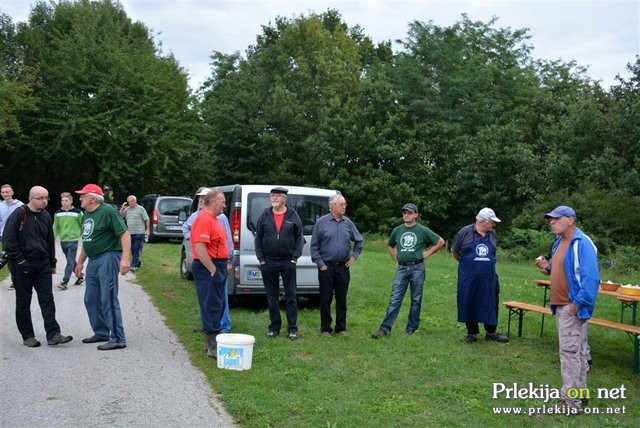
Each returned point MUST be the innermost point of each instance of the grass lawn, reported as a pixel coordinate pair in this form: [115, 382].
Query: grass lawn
[430, 379]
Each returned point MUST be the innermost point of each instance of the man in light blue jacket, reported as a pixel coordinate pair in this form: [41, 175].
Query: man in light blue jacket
[574, 286]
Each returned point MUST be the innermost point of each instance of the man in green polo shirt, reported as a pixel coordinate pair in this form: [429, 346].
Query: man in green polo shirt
[409, 244]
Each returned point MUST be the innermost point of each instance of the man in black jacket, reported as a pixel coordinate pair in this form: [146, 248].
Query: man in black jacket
[279, 241]
[29, 243]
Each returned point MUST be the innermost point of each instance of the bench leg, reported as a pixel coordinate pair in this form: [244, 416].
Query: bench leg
[636, 351]
[521, 315]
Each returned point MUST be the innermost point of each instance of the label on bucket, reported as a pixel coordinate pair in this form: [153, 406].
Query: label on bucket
[230, 358]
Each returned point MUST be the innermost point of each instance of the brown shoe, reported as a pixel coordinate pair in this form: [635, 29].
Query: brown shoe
[380, 333]
[326, 334]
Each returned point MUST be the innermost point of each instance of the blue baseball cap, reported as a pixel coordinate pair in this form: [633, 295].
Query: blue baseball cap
[410, 207]
[561, 211]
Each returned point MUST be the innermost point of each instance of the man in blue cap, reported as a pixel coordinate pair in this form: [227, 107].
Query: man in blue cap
[574, 286]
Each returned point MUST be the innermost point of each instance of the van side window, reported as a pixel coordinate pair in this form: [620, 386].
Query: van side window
[310, 209]
[258, 202]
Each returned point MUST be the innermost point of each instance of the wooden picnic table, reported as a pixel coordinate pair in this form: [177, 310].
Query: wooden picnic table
[626, 300]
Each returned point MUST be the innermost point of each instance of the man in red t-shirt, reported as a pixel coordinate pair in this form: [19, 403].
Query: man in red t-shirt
[279, 242]
[210, 255]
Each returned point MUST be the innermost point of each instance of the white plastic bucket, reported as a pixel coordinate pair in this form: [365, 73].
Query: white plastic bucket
[235, 351]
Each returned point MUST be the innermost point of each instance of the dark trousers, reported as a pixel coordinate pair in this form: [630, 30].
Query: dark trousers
[333, 281]
[210, 290]
[474, 328]
[137, 241]
[36, 275]
[271, 271]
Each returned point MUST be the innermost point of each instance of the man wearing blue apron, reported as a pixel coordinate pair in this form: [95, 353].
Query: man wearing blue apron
[474, 247]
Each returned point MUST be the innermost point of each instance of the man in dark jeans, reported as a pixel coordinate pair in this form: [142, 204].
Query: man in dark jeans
[331, 251]
[279, 242]
[29, 242]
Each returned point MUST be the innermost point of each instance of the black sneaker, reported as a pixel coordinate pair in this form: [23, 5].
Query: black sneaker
[79, 281]
[273, 334]
[496, 337]
[95, 338]
[58, 339]
[293, 336]
[62, 285]
[470, 338]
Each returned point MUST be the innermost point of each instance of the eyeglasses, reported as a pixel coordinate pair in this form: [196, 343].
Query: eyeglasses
[41, 198]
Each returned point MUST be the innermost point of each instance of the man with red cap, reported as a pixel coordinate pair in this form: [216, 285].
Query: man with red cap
[107, 244]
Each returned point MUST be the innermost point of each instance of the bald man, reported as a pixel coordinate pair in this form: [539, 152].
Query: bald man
[29, 242]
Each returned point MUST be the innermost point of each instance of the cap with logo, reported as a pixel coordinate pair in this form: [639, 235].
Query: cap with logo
[90, 188]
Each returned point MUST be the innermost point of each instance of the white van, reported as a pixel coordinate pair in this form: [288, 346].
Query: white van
[245, 203]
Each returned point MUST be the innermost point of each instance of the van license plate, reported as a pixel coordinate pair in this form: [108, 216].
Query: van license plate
[254, 274]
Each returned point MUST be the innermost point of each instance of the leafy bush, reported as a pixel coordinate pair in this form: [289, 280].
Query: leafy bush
[525, 244]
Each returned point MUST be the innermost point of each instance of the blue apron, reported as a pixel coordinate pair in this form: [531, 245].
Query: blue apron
[478, 283]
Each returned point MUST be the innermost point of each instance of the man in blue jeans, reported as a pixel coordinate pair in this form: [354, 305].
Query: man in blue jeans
[106, 243]
[409, 244]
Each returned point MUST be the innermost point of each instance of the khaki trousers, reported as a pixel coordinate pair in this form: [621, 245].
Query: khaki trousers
[573, 356]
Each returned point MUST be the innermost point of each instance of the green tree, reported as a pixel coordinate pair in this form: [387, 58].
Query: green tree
[16, 83]
[111, 108]
[466, 89]
[264, 111]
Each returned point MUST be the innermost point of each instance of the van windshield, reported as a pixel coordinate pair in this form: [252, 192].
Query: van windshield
[309, 208]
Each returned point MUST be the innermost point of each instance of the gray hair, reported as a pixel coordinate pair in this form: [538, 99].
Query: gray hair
[99, 198]
[332, 199]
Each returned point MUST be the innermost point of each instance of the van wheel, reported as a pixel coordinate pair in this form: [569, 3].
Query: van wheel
[185, 273]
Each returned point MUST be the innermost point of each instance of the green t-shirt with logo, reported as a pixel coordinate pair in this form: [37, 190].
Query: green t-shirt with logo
[101, 230]
[409, 242]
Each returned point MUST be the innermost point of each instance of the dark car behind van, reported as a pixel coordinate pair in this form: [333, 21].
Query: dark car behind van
[164, 213]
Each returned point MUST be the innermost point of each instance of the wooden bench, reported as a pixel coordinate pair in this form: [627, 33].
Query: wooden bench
[519, 308]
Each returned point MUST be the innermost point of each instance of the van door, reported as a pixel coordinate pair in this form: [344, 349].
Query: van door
[310, 208]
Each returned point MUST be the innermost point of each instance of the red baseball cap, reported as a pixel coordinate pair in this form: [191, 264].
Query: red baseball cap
[90, 188]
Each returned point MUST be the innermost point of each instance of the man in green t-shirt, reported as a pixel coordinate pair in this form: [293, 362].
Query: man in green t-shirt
[67, 227]
[107, 244]
[409, 244]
